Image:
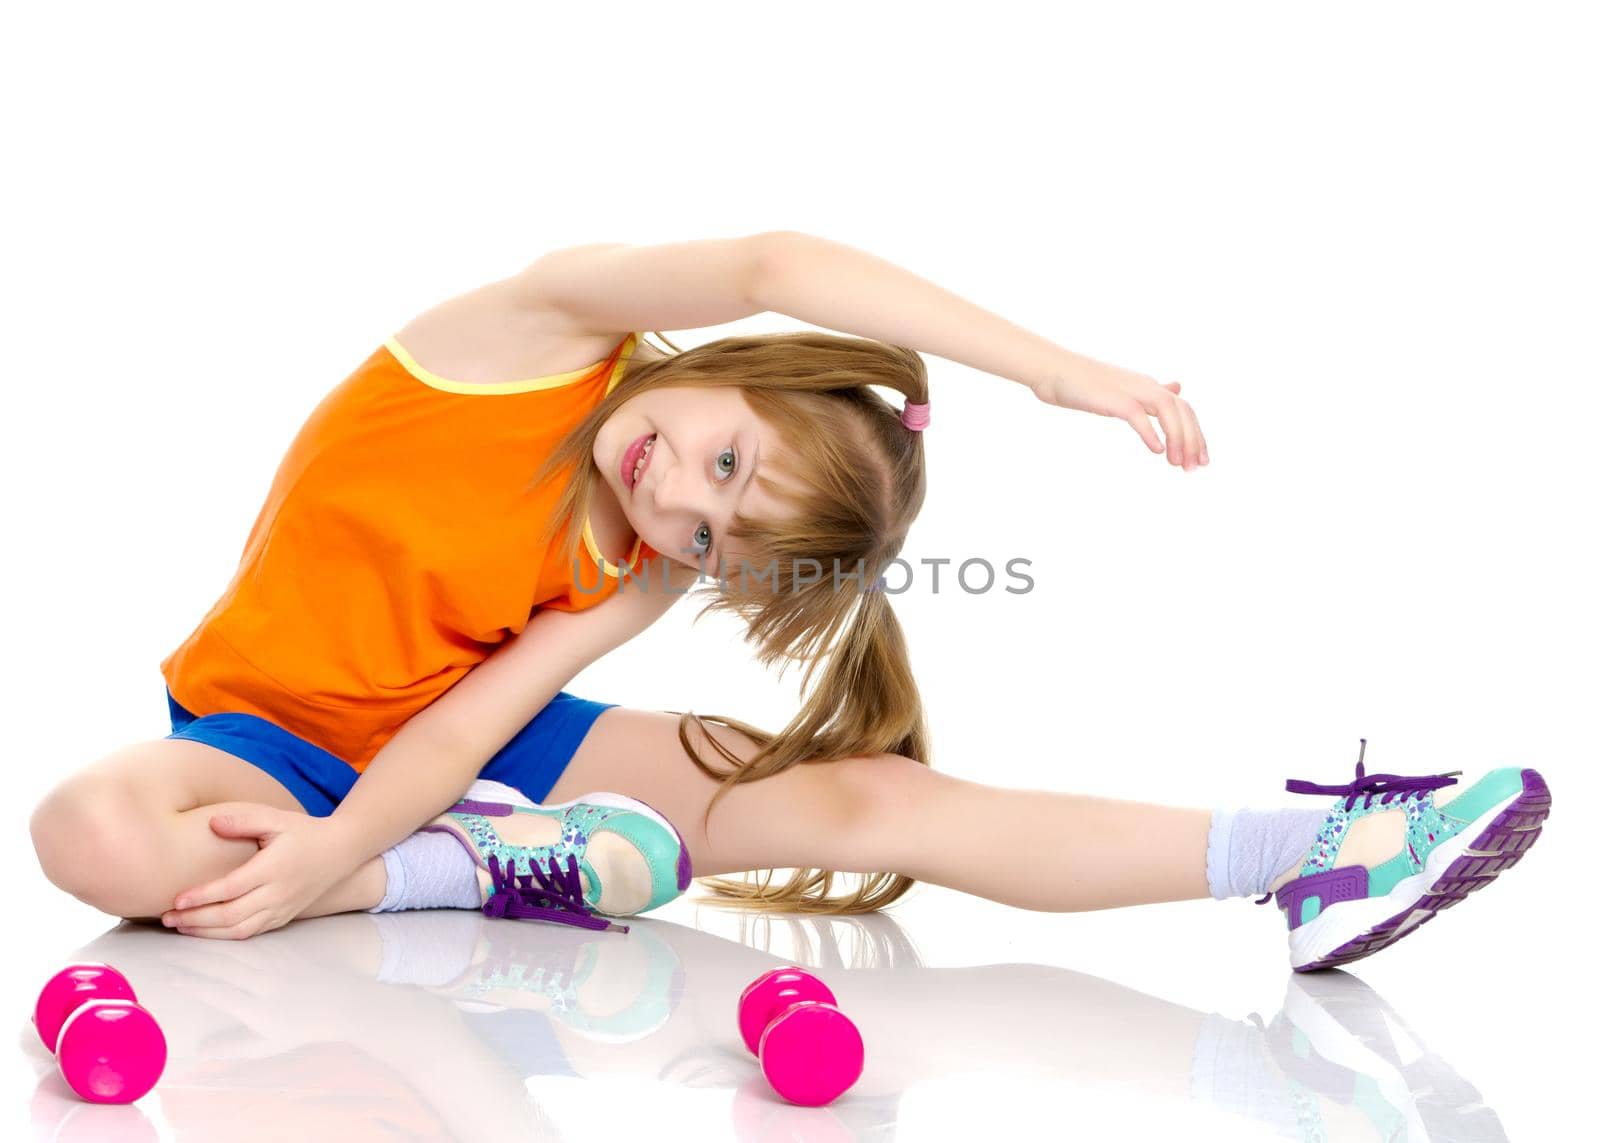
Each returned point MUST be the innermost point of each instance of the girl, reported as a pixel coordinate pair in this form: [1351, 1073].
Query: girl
[410, 603]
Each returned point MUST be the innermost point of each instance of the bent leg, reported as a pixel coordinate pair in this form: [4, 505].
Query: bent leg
[131, 831]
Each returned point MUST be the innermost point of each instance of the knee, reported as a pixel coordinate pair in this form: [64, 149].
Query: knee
[95, 842]
[882, 781]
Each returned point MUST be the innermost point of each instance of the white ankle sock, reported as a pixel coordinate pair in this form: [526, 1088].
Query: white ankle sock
[429, 870]
[1247, 850]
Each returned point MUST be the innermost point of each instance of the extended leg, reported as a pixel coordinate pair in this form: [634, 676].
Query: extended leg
[1079, 852]
[887, 814]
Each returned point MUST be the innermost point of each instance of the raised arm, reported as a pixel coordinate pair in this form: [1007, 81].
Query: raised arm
[611, 288]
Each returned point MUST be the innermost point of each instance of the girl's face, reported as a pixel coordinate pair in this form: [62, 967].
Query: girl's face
[681, 462]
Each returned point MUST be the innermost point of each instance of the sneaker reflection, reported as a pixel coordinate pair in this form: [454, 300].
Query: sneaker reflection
[444, 1024]
[1330, 1065]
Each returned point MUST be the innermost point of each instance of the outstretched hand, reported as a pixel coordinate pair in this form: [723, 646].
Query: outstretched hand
[298, 860]
[1094, 387]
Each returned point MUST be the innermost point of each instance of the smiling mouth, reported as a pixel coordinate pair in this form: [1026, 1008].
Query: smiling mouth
[642, 463]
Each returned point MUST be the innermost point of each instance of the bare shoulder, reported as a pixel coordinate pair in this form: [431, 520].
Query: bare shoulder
[491, 335]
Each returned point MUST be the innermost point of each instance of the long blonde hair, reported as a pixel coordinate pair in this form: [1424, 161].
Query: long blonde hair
[858, 476]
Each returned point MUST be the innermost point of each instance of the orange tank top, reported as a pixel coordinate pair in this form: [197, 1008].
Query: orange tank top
[399, 545]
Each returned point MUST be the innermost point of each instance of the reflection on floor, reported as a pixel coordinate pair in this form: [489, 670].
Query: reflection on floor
[444, 1024]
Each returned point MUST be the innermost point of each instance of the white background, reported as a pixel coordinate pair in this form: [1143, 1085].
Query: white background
[1363, 238]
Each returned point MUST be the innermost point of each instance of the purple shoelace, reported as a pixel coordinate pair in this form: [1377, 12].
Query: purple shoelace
[535, 895]
[1385, 787]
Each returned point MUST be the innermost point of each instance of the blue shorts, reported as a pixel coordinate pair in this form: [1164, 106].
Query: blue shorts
[531, 762]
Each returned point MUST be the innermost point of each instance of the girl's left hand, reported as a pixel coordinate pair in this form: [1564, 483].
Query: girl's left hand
[1094, 387]
[298, 861]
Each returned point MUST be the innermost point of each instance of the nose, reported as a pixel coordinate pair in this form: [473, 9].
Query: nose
[675, 490]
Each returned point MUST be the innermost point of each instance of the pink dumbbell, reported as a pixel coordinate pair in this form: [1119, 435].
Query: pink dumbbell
[108, 1048]
[810, 1052]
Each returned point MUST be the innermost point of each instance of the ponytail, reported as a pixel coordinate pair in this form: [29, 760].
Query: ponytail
[865, 701]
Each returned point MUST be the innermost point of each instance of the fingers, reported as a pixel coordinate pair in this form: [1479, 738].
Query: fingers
[258, 922]
[248, 876]
[1136, 417]
[1164, 407]
[1194, 442]
[1189, 447]
[257, 821]
[1186, 445]
[218, 915]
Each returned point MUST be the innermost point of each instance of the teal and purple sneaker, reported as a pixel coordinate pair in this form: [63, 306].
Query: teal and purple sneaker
[1451, 846]
[644, 859]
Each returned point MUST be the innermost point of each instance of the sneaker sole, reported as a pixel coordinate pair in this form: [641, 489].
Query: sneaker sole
[1454, 869]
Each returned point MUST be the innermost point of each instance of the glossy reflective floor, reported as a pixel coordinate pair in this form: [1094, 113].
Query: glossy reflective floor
[446, 1025]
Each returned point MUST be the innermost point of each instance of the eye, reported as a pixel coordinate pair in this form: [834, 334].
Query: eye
[727, 464]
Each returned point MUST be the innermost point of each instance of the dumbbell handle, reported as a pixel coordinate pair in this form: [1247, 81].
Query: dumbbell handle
[783, 1001]
[86, 1007]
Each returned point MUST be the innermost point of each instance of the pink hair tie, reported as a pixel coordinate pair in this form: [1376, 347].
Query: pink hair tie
[914, 416]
